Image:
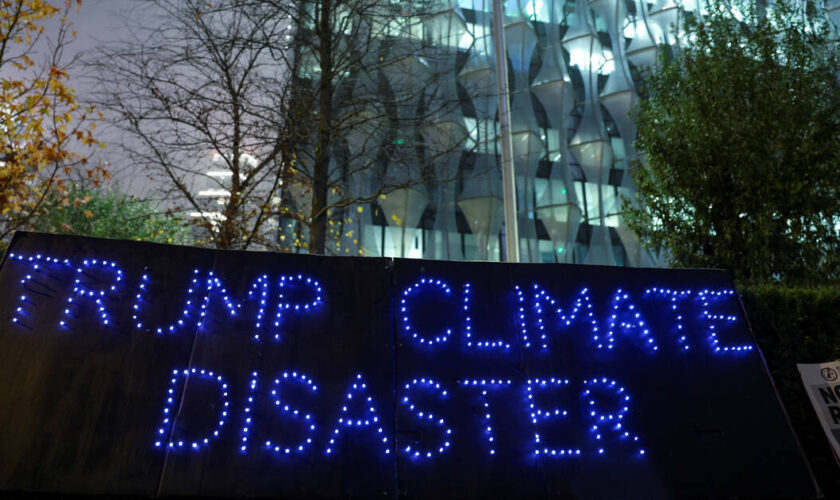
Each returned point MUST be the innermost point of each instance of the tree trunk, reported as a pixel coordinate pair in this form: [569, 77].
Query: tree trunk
[320, 171]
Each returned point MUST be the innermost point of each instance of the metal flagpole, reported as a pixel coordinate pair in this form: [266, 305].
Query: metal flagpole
[505, 137]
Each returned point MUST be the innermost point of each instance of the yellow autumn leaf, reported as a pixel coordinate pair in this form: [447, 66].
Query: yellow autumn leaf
[42, 128]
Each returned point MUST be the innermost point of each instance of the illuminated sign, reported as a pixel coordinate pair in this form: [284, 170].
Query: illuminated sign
[131, 368]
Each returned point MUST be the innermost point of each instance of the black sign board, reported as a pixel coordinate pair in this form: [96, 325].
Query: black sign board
[143, 369]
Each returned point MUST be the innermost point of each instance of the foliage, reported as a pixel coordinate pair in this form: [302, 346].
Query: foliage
[43, 127]
[740, 139]
[793, 326]
[107, 213]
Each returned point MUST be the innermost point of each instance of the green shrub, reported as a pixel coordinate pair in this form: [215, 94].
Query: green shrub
[794, 325]
[109, 213]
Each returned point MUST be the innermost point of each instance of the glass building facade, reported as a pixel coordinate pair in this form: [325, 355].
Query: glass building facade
[573, 71]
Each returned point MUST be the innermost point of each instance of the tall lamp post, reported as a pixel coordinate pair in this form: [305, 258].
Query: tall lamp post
[505, 137]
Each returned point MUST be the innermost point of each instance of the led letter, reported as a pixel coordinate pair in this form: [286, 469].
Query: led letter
[628, 319]
[259, 291]
[83, 288]
[199, 291]
[358, 394]
[287, 306]
[712, 321]
[426, 416]
[165, 434]
[282, 406]
[484, 385]
[27, 299]
[541, 301]
[468, 333]
[674, 298]
[425, 283]
[539, 415]
[603, 421]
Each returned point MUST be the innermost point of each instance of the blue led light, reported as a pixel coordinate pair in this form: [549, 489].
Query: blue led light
[97, 283]
[581, 307]
[285, 306]
[284, 409]
[436, 285]
[348, 421]
[215, 285]
[628, 319]
[538, 415]
[674, 298]
[164, 438]
[199, 292]
[261, 287]
[260, 290]
[472, 343]
[706, 297]
[487, 420]
[603, 421]
[523, 327]
[426, 416]
[135, 308]
[246, 428]
[39, 264]
[84, 289]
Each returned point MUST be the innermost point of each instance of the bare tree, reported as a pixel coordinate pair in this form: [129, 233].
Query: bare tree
[201, 89]
[371, 108]
[311, 107]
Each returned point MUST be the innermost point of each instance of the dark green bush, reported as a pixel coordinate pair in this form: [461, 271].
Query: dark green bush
[794, 326]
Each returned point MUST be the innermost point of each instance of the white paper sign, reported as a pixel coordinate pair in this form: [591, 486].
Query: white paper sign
[822, 383]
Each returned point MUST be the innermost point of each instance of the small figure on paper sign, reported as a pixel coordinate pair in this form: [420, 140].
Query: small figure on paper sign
[829, 374]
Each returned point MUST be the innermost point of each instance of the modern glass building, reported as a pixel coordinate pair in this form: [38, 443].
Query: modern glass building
[573, 70]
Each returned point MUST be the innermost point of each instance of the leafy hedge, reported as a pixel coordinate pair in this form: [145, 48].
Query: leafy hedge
[799, 326]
